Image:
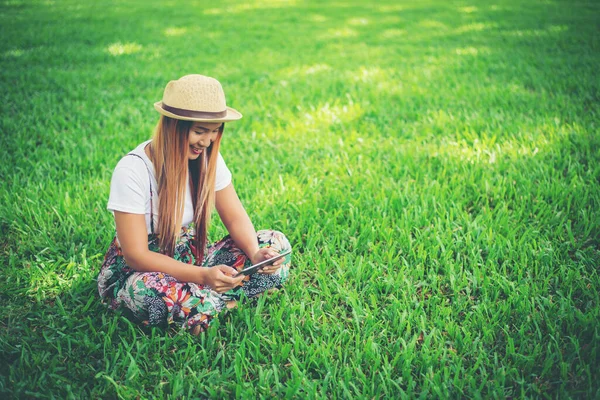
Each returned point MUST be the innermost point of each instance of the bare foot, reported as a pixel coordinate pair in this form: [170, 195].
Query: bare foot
[196, 330]
[267, 292]
[231, 304]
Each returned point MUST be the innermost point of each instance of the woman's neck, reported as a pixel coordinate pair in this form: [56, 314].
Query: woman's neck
[148, 150]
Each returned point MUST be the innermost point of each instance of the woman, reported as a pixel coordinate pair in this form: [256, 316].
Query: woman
[162, 193]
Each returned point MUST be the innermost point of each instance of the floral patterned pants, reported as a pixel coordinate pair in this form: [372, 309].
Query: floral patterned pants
[156, 298]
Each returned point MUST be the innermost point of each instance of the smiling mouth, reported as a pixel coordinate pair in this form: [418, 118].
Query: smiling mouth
[197, 150]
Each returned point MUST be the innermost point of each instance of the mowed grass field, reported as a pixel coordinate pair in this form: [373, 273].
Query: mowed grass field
[435, 165]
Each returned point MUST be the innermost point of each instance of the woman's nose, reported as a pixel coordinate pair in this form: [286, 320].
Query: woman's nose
[208, 139]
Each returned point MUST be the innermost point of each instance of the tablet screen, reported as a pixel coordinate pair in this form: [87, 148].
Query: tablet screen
[254, 268]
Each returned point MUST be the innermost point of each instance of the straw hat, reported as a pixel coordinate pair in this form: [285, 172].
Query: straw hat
[196, 98]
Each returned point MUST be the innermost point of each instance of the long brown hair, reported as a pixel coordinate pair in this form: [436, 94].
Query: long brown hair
[169, 154]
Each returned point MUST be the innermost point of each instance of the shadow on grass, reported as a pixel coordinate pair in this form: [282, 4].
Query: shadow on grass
[72, 345]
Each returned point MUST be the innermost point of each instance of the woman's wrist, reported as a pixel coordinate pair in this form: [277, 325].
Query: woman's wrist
[200, 274]
[156, 262]
[253, 256]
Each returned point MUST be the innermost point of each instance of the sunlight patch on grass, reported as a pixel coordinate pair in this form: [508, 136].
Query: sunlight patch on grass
[475, 27]
[481, 151]
[317, 18]
[432, 24]
[358, 21]
[356, 48]
[118, 49]
[340, 33]
[552, 30]
[175, 31]
[303, 70]
[239, 8]
[391, 8]
[518, 89]
[369, 74]
[327, 114]
[490, 145]
[14, 53]
[393, 33]
[472, 51]
[434, 65]
[315, 68]
[468, 10]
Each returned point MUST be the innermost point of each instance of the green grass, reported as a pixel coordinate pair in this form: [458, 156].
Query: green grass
[435, 164]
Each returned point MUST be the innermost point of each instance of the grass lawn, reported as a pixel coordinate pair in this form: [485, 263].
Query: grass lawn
[435, 164]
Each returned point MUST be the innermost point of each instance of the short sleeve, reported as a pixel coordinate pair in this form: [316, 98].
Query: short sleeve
[128, 190]
[223, 175]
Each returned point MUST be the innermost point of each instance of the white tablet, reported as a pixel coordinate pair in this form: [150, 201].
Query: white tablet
[257, 267]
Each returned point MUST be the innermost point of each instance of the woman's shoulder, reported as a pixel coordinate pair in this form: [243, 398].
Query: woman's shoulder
[130, 187]
[136, 159]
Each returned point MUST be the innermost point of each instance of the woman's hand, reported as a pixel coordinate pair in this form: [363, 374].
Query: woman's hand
[264, 254]
[220, 278]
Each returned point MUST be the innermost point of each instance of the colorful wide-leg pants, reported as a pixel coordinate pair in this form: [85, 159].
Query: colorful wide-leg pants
[158, 299]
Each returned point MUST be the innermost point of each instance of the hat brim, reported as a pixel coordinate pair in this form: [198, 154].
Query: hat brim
[232, 115]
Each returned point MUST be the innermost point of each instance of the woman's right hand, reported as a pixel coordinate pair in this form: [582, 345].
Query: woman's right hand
[220, 278]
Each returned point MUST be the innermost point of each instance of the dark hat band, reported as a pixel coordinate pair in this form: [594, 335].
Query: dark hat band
[194, 114]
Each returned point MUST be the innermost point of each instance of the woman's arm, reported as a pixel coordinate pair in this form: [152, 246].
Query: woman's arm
[238, 224]
[133, 237]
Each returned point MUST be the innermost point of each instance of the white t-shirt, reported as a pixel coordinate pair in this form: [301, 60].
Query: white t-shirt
[130, 188]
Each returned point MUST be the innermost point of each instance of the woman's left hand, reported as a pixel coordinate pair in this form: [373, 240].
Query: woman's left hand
[264, 254]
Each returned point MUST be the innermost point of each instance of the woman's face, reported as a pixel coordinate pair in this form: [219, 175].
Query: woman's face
[201, 136]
